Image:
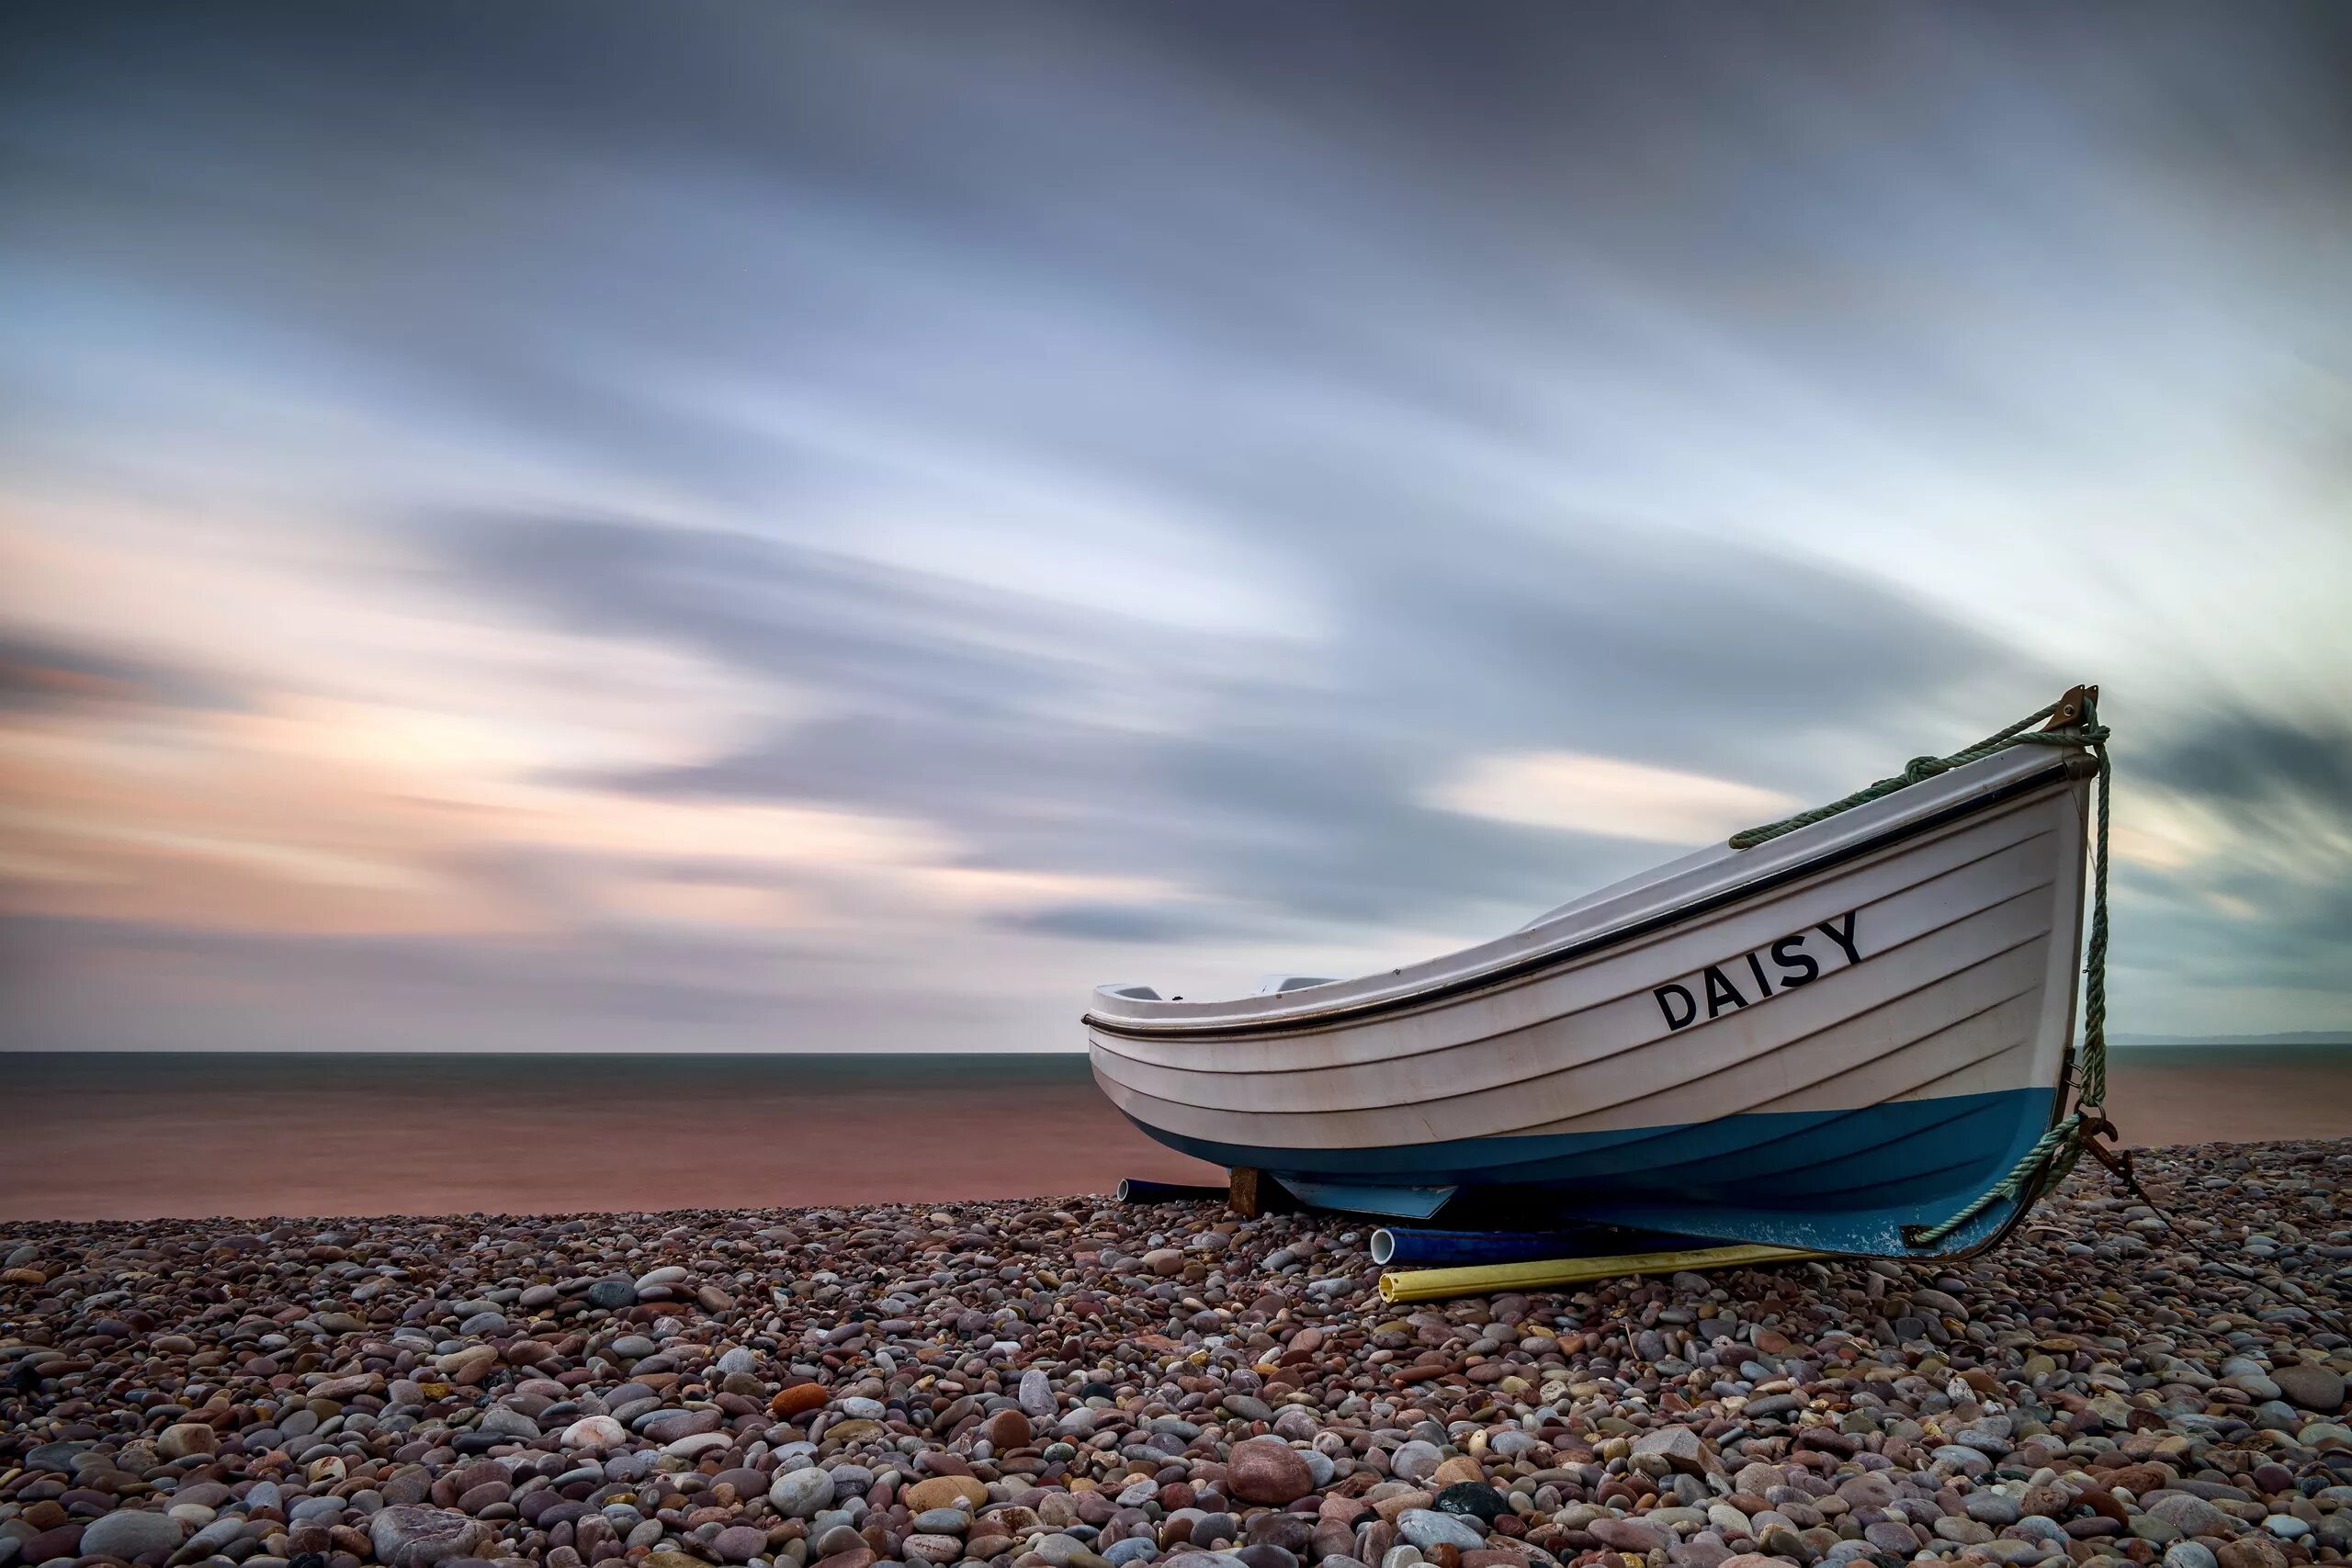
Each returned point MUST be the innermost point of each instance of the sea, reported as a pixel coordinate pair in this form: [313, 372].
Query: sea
[124, 1135]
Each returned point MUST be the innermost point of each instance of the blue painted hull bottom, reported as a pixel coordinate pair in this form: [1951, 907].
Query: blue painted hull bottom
[1831, 1180]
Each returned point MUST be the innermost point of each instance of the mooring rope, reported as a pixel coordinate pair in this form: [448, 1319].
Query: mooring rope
[2055, 1152]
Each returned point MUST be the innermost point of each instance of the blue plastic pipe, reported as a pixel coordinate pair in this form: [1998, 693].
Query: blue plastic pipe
[1455, 1249]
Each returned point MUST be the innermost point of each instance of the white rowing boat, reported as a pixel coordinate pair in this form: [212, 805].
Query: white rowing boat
[1832, 1039]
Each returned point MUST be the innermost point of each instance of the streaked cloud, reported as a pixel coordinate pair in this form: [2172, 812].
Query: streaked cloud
[1607, 796]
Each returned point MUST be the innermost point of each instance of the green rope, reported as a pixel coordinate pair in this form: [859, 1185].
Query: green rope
[2046, 1164]
[1917, 771]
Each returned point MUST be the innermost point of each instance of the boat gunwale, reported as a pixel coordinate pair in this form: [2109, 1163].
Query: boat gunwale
[2062, 770]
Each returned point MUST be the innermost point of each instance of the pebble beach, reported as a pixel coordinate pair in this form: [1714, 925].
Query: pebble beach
[1067, 1383]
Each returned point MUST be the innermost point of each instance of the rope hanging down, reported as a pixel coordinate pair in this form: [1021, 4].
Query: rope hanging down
[2054, 1153]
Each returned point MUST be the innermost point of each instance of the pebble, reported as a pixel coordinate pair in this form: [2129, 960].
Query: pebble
[1628, 1534]
[612, 1294]
[128, 1533]
[2188, 1514]
[947, 1492]
[739, 1543]
[1415, 1461]
[1068, 1383]
[412, 1537]
[1267, 1470]
[594, 1432]
[2314, 1387]
[800, 1492]
[1426, 1528]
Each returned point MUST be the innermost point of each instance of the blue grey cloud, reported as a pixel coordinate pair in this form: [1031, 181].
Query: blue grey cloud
[1297, 789]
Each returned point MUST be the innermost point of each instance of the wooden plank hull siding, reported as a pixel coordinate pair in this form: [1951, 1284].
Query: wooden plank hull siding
[1814, 1043]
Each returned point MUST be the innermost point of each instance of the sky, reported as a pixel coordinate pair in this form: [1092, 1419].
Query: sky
[840, 527]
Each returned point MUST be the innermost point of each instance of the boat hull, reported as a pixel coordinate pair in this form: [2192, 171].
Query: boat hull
[1814, 1060]
[1828, 1181]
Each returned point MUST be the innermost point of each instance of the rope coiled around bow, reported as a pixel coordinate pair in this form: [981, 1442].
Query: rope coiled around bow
[2055, 1152]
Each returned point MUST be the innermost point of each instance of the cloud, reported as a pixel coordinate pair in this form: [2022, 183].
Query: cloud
[36, 672]
[1606, 796]
[2249, 758]
[1109, 922]
[517, 530]
[1306, 782]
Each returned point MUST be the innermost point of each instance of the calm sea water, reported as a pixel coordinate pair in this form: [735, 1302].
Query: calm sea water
[2222, 1053]
[132, 1137]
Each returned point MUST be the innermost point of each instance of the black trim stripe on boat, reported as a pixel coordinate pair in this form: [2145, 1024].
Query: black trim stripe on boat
[2058, 771]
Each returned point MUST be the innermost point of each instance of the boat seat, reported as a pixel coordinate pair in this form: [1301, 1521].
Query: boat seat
[1276, 985]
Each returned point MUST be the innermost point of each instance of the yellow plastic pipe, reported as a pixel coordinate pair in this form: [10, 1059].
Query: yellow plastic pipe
[1482, 1280]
